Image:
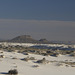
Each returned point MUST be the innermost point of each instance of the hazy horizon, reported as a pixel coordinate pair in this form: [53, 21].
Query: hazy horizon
[51, 30]
[50, 19]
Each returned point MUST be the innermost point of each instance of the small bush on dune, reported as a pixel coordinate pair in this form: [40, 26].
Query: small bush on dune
[13, 72]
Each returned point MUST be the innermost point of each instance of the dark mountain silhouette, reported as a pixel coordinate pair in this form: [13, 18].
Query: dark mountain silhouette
[24, 39]
[44, 41]
[27, 39]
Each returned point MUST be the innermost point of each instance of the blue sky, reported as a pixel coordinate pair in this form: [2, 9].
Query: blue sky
[38, 9]
[51, 19]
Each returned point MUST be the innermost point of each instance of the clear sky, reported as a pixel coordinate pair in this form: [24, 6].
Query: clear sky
[51, 19]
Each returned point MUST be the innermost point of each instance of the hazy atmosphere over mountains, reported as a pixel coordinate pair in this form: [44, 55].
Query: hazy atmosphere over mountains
[51, 19]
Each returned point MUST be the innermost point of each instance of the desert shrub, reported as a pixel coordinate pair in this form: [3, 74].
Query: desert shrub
[13, 72]
[41, 61]
[25, 53]
[14, 58]
[35, 66]
[32, 58]
[28, 58]
[25, 59]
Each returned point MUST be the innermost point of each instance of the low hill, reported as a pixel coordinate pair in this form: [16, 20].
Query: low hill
[44, 41]
[24, 39]
[28, 39]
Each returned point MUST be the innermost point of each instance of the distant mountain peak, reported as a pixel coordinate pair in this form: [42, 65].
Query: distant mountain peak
[23, 39]
[24, 36]
[44, 40]
[27, 39]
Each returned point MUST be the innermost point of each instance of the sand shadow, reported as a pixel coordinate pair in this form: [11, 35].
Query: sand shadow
[3, 73]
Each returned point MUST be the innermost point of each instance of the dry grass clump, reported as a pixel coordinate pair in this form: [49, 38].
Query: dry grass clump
[42, 61]
[28, 58]
[14, 58]
[2, 56]
[70, 63]
[72, 54]
[13, 72]
[1, 52]
[60, 64]
[32, 58]
[66, 63]
[35, 66]
[25, 53]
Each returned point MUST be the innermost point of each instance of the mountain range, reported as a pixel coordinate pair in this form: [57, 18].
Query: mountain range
[29, 39]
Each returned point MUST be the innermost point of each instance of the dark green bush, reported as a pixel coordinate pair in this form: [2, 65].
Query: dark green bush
[14, 72]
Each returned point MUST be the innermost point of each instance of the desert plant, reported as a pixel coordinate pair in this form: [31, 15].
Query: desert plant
[43, 61]
[13, 72]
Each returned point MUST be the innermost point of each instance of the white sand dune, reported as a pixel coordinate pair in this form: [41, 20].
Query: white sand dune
[26, 68]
